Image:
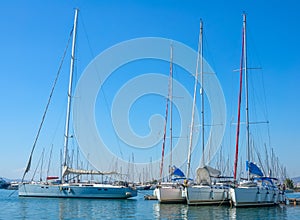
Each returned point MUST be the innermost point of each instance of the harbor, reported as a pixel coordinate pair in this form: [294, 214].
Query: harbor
[135, 208]
[149, 110]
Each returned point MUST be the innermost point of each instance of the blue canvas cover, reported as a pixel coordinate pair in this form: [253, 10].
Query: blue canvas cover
[178, 172]
[253, 168]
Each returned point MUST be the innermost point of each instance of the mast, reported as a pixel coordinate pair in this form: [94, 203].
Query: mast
[246, 94]
[171, 109]
[201, 91]
[66, 137]
[193, 108]
[239, 101]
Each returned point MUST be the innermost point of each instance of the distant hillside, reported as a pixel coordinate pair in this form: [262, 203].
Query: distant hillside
[3, 183]
[5, 179]
[10, 180]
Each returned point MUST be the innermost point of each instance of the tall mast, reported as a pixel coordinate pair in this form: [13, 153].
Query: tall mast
[239, 102]
[193, 108]
[201, 91]
[171, 108]
[66, 138]
[246, 94]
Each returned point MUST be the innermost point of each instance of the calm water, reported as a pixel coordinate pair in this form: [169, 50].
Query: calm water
[14, 207]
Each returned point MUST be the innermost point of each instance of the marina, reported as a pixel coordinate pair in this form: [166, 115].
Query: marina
[149, 110]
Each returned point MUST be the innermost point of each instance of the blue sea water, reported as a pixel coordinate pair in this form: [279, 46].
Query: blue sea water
[13, 207]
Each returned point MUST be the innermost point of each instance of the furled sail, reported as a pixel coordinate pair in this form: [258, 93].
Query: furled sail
[68, 170]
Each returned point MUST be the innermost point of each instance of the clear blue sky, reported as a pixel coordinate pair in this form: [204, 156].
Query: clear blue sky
[34, 34]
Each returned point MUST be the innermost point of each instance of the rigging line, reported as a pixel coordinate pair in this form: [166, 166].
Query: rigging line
[101, 89]
[259, 158]
[265, 107]
[255, 54]
[42, 164]
[107, 104]
[50, 157]
[41, 159]
[261, 95]
[86, 36]
[209, 55]
[166, 116]
[47, 106]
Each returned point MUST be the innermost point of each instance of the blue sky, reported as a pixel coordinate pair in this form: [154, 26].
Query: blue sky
[34, 34]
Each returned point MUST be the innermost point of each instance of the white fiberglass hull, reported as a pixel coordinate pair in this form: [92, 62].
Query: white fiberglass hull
[206, 195]
[96, 191]
[169, 194]
[254, 196]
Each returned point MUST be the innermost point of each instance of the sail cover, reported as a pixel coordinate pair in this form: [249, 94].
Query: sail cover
[213, 172]
[205, 173]
[68, 170]
[253, 169]
[178, 172]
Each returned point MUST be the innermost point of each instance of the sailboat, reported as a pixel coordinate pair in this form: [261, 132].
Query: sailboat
[65, 188]
[256, 190]
[170, 191]
[203, 191]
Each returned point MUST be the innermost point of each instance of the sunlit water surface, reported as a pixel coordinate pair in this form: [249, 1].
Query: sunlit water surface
[13, 207]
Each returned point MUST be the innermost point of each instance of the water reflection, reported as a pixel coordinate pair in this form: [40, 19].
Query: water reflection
[208, 212]
[170, 211]
[275, 212]
[182, 211]
[47, 208]
[91, 208]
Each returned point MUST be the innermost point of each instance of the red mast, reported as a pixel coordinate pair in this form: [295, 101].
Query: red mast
[164, 141]
[239, 109]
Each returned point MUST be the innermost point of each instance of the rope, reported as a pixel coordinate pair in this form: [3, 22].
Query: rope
[46, 109]
[101, 89]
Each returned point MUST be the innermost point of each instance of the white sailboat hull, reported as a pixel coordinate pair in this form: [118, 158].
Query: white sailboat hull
[254, 196]
[169, 194]
[206, 195]
[96, 191]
